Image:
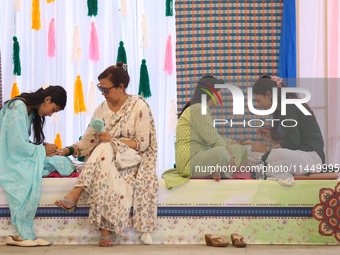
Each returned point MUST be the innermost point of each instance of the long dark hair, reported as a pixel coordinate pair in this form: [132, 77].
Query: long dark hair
[197, 97]
[34, 100]
[264, 84]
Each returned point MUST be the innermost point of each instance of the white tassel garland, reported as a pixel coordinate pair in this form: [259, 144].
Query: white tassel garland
[145, 33]
[76, 46]
[91, 100]
[123, 9]
[55, 119]
[17, 5]
[172, 123]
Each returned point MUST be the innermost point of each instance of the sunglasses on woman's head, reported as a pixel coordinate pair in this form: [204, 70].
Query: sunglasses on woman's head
[105, 90]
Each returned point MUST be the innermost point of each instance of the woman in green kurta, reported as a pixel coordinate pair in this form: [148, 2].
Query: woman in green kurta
[200, 150]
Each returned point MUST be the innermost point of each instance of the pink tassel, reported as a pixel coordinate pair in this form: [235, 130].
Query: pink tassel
[51, 39]
[94, 48]
[168, 57]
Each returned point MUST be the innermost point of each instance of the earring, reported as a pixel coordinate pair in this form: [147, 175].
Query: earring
[121, 91]
[44, 104]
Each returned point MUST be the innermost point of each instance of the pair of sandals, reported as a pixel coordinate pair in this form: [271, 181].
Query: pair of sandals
[213, 240]
[71, 210]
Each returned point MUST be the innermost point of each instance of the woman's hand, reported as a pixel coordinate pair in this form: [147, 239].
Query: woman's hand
[245, 141]
[260, 147]
[266, 135]
[62, 152]
[104, 137]
[50, 148]
[232, 158]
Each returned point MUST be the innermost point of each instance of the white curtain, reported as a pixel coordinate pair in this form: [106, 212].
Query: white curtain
[319, 66]
[38, 69]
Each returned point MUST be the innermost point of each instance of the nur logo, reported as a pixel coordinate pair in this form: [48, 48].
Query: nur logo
[238, 99]
[204, 97]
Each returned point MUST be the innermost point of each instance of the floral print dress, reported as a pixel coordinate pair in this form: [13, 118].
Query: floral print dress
[114, 175]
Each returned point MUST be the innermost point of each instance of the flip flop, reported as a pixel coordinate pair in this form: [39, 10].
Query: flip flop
[107, 239]
[212, 240]
[71, 209]
[238, 240]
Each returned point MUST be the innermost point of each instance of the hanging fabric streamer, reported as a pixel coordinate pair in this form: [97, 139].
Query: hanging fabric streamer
[35, 15]
[16, 57]
[287, 67]
[17, 67]
[145, 33]
[121, 53]
[15, 91]
[57, 141]
[55, 118]
[51, 39]
[55, 121]
[17, 5]
[92, 6]
[50, 1]
[172, 122]
[76, 54]
[91, 100]
[79, 103]
[168, 57]
[94, 46]
[123, 9]
[144, 83]
[168, 8]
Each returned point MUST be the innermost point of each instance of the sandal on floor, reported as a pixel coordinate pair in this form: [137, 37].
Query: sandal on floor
[107, 239]
[71, 209]
[238, 240]
[12, 240]
[212, 240]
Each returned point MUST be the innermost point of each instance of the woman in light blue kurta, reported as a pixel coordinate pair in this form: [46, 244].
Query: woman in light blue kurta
[21, 161]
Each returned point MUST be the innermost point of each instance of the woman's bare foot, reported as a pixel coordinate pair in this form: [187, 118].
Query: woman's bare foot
[73, 196]
[105, 242]
[216, 176]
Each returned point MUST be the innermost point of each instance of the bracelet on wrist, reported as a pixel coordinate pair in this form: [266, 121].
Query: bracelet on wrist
[71, 151]
[269, 148]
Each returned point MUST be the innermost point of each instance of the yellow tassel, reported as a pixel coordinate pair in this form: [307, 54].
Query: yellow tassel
[50, 1]
[79, 102]
[57, 141]
[35, 15]
[15, 91]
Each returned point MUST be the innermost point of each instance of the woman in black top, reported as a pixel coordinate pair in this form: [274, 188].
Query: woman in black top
[297, 145]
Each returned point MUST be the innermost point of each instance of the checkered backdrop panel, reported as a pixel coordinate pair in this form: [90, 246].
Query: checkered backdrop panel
[232, 40]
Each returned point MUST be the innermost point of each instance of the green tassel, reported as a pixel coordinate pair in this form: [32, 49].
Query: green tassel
[121, 53]
[81, 159]
[92, 6]
[16, 57]
[168, 8]
[144, 83]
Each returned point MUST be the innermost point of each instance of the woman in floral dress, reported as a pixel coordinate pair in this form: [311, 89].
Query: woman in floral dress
[121, 164]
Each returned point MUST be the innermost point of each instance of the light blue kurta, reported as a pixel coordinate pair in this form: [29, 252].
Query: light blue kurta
[21, 166]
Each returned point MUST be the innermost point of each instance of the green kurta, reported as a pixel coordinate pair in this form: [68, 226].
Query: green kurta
[195, 132]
